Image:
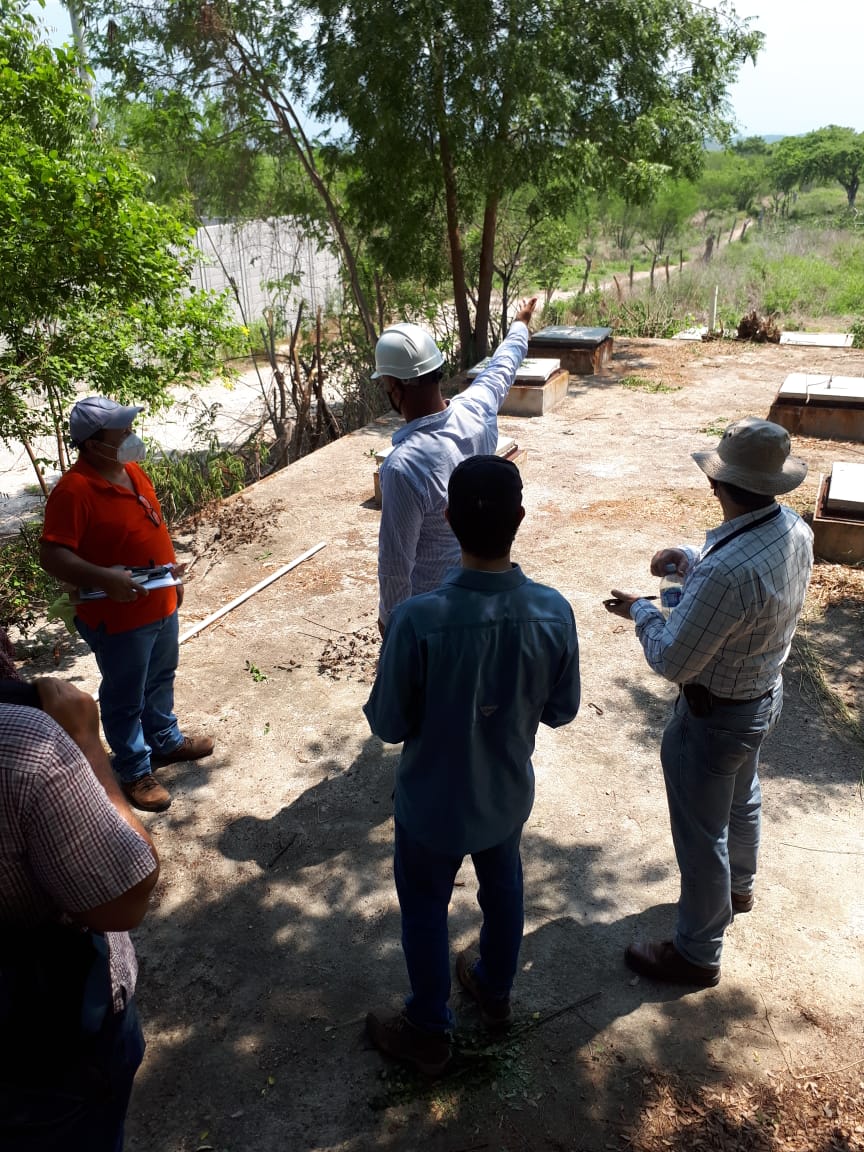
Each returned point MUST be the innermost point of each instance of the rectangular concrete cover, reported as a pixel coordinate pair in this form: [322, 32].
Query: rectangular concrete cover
[811, 386]
[846, 489]
[818, 339]
[532, 370]
[571, 334]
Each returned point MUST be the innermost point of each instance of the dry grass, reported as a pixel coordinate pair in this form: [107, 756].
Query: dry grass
[822, 1112]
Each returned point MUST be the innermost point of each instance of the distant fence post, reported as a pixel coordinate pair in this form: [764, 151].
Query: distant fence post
[587, 260]
[653, 266]
[667, 269]
[631, 277]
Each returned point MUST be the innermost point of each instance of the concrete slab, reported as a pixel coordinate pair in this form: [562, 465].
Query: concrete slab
[691, 334]
[838, 535]
[846, 489]
[533, 369]
[825, 387]
[275, 925]
[817, 339]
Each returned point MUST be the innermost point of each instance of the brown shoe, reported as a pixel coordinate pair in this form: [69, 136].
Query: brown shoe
[395, 1035]
[660, 960]
[742, 902]
[495, 1011]
[147, 794]
[189, 748]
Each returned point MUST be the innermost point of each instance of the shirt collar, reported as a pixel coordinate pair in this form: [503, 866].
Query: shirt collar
[433, 420]
[486, 581]
[729, 526]
[96, 477]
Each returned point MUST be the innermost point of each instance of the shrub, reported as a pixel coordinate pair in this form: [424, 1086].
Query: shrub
[187, 482]
[25, 589]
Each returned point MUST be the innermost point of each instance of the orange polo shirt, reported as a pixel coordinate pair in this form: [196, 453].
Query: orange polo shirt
[108, 525]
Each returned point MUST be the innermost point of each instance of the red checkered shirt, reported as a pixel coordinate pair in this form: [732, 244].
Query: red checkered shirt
[63, 846]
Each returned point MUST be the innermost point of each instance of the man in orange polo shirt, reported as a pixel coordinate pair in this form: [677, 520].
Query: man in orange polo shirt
[102, 519]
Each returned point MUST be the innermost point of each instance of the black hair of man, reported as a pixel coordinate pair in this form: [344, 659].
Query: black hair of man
[485, 505]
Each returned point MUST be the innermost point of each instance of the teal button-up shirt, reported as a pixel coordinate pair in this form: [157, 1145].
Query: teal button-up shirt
[467, 674]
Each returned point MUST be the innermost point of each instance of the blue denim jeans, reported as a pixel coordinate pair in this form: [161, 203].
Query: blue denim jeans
[710, 765]
[89, 1113]
[136, 696]
[424, 884]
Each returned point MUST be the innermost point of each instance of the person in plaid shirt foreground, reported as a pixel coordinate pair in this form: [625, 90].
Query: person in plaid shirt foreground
[725, 645]
[76, 872]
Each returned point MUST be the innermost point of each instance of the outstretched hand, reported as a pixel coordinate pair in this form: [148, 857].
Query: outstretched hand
[526, 310]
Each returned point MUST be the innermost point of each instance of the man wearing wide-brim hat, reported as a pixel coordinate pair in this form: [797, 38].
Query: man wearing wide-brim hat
[725, 645]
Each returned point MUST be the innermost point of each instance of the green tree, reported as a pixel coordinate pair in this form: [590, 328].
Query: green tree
[666, 216]
[95, 287]
[820, 157]
[468, 100]
[446, 108]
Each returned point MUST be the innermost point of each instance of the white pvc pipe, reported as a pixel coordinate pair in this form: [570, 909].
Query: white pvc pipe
[244, 596]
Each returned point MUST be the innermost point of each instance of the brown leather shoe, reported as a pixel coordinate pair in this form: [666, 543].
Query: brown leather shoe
[495, 1012]
[189, 748]
[742, 902]
[661, 960]
[395, 1035]
[147, 794]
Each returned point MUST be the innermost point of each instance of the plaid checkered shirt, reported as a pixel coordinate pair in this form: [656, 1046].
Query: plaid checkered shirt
[740, 604]
[63, 846]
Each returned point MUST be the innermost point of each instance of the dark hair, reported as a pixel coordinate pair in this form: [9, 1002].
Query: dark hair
[745, 499]
[485, 505]
[426, 380]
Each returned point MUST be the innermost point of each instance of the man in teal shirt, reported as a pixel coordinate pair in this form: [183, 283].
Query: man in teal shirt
[467, 674]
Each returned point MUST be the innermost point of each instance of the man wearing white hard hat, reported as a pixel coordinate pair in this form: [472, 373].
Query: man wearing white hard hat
[415, 544]
[725, 645]
[102, 520]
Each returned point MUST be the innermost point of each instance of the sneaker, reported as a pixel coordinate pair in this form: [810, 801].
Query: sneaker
[394, 1034]
[495, 1011]
[742, 901]
[189, 748]
[147, 794]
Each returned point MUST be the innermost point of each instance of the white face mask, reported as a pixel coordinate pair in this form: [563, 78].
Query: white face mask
[131, 450]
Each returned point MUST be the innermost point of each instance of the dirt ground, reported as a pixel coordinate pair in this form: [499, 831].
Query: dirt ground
[275, 924]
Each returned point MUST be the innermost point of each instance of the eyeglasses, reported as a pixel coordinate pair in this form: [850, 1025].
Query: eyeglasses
[152, 514]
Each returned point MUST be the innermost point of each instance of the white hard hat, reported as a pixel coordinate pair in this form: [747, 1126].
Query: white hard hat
[406, 351]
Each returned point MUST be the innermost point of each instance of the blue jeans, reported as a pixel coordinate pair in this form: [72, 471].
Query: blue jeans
[136, 696]
[89, 1113]
[424, 884]
[710, 765]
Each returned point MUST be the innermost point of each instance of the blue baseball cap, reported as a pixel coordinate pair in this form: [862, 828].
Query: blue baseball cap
[95, 413]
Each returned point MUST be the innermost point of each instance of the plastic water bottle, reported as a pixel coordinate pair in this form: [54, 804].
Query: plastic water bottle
[671, 586]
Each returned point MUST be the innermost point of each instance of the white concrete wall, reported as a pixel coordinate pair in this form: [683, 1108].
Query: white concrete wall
[258, 251]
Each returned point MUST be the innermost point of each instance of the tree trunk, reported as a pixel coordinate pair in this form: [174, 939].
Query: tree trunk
[451, 202]
[584, 287]
[484, 279]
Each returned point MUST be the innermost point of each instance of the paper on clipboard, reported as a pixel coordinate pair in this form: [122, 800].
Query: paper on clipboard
[162, 576]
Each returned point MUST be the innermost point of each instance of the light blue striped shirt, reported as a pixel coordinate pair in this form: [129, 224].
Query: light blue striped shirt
[733, 628]
[415, 544]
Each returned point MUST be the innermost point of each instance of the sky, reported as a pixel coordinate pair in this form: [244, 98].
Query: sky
[807, 76]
